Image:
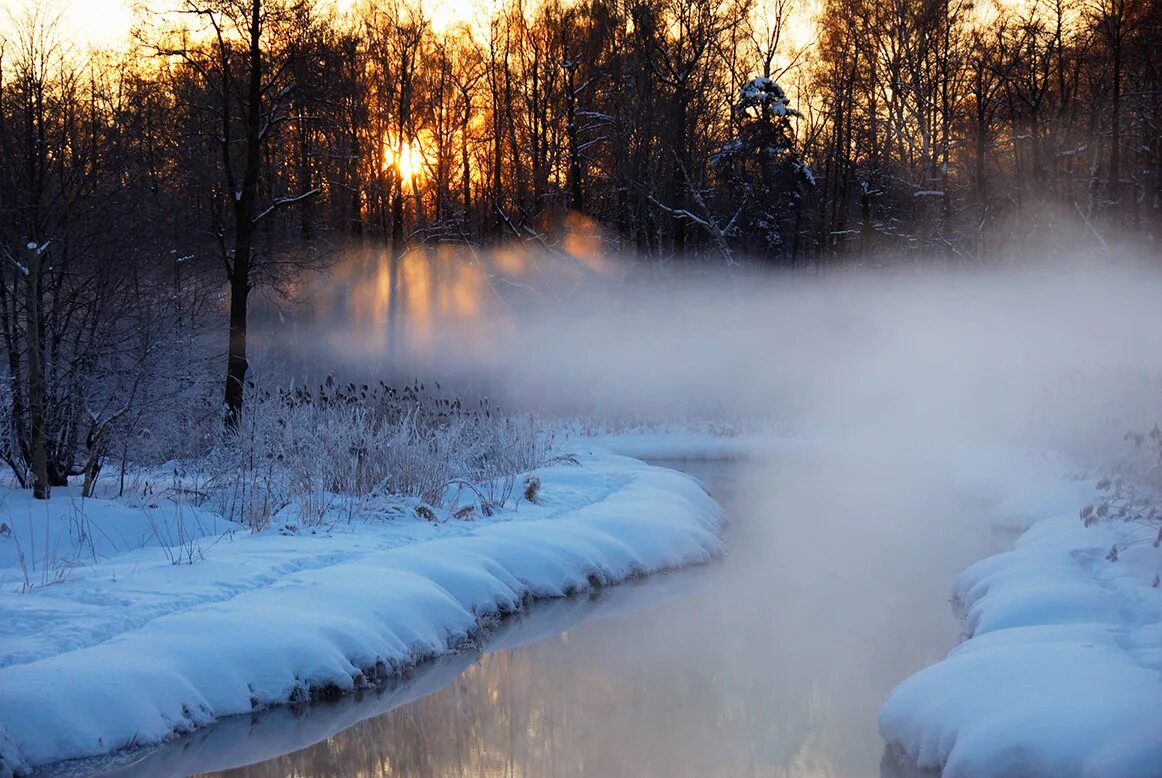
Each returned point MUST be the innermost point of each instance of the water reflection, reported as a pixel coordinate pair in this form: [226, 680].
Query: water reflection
[773, 663]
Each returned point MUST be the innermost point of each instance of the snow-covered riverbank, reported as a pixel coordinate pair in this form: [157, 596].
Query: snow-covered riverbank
[121, 647]
[1062, 672]
[106, 644]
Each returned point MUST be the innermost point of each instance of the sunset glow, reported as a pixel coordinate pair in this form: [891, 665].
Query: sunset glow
[408, 159]
[84, 23]
[108, 23]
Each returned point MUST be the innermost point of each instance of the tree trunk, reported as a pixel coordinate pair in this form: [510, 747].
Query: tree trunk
[1115, 182]
[576, 200]
[244, 212]
[92, 469]
[39, 448]
[236, 363]
[464, 159]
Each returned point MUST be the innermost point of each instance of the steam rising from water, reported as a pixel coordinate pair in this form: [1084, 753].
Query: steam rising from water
[916, 394]
[1061, 354]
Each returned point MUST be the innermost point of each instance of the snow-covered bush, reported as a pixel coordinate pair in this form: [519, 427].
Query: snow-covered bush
[1133, 492]
[327, 449]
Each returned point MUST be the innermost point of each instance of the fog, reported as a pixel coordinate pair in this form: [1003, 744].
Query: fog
[1062, 353]
[914, 402]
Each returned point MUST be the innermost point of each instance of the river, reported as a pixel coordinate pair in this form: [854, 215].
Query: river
[771, 662]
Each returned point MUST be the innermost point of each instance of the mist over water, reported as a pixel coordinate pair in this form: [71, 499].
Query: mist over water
[1061, 354]
[773, 662]
[912, 402]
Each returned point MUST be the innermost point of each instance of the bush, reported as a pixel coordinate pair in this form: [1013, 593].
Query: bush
[332, 447]
[1132, 492]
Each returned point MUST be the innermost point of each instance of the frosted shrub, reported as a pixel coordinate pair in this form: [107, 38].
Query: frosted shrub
[326, 450]
[1134, 491]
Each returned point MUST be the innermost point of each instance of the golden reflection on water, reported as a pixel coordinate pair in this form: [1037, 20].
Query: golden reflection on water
[539, 712]
[774, 664]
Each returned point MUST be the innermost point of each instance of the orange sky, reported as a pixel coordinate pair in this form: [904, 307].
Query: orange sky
[106, 22]
[88, 22]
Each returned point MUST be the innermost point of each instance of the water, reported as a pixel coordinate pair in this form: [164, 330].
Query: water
[773, 662]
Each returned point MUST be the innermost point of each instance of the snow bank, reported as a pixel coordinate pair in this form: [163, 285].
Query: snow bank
[237, 741]
[1062, 674]
[129, 649]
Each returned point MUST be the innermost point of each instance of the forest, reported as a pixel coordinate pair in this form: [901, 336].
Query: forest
[581, 387]
[147, 191]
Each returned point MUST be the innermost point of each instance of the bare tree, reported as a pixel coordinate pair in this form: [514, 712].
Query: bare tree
[237, 51]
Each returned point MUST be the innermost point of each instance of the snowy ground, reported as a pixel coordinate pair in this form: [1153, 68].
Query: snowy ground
[106, 643]
[237, 741]
[1062, 673]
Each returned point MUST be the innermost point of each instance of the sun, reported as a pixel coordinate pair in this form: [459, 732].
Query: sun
[408, 160]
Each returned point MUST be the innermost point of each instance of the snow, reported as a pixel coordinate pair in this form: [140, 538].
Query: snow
[107, 644]
[806, 171]
[243, 740]
[766, 95]
[1062, 674]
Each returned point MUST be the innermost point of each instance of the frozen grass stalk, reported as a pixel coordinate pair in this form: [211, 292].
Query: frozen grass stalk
[327, 451]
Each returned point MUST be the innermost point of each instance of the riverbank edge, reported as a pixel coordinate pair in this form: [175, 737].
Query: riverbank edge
[1017, 694]
[588, 574]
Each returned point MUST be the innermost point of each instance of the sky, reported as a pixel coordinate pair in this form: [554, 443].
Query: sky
[97, 22]
[88, 22]
[106, 23]
[102, 23]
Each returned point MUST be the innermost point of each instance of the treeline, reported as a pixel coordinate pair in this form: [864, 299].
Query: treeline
[237, 141]
[920, 124]
[967, 127]
[917, 124]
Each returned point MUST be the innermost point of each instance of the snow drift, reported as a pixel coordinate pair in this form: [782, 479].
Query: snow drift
[141, 649]
[1062, 674]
